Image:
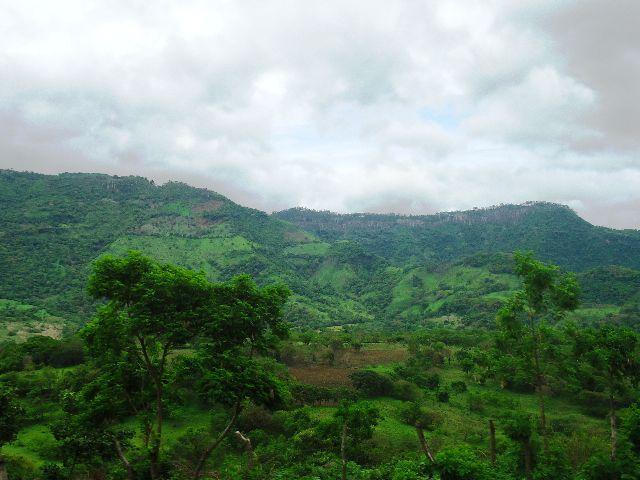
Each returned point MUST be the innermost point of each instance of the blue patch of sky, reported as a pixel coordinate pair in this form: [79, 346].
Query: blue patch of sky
[445, 117]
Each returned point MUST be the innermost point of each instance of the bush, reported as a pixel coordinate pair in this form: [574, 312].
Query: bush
[460, 463]
[372, 384]
[407, 391]
[564, 425]
[417, 376]
[41, 351]
[458, 387]
[443, 396]
[553, 464]
[475, 402]
[290, 422]
[253, 417]
[413, 414]
[432, 381]
[312, 394]
[408, 470]
[20, 468]
[52, 471]
[600, 467]
[631, 426]
[594, 403]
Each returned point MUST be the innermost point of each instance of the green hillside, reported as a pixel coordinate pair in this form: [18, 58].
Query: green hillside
[554, 232]
[397, 271]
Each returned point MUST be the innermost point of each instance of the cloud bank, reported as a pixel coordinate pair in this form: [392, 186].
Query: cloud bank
[404, 106]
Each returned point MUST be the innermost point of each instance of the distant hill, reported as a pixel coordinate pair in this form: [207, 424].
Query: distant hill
[396, 271]
[552, 231]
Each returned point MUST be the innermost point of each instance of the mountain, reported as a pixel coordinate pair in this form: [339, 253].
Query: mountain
[396, 271]
[552, 231]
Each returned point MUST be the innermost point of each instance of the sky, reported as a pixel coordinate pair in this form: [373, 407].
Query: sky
[375, 105]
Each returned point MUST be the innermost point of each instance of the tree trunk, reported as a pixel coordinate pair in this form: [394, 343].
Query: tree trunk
[528, 463]
[251, 456]
[157, 436]
[424, 445]
[539, 383]
[343, 454]
[156, 374]
[3, 469]
[492, 442]
[127, 465]
[197, 473]
[543, 416]
[614, 428]
[147, 433]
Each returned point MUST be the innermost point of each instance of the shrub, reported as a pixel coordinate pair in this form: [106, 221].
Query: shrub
[475, 402]
[312, 394]
[413, 414]
[443, 396]
[460, 463]
[417, 376]
[600, 467]
[253, 417]
[458, 387]
[408, 470]
[290, 422]
[408, 391]
[432, 381]
[19, 467]
[564, 425]
[631, 426]
[52, 471]
[553, 464]
[372, 384]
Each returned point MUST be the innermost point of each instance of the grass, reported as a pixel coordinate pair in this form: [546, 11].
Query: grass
[592, 314]
[307, 249]
[177, 208]
[19, 321]
[35, 443]
[194, 253]
[334, 275]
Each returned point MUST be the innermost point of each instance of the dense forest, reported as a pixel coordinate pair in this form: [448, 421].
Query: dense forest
[164, 332]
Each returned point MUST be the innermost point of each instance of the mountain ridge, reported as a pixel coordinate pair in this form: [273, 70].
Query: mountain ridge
[343, 268]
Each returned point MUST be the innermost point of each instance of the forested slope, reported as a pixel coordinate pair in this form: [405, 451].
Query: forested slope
[554, 232]
[400, 271]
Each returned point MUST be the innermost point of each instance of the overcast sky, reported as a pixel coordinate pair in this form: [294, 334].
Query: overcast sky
[379, 106]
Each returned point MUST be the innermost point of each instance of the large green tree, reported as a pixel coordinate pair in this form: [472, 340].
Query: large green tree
[151, 310]
[419, 418]
[352, 424]
[230, 365]
[138, 343]
[525, 334]
[518, 428]
[612, 355]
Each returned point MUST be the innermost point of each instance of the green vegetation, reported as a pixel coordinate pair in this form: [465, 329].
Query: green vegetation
[182, 378]
[397, 272]
[402, 348]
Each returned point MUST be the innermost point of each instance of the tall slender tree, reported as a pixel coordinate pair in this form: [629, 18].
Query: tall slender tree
[10, 416]
[524, 321]
[612, 353]
[413, 414]
[518, 428]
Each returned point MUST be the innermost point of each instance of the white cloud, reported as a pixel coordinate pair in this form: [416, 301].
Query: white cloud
[403, 106]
